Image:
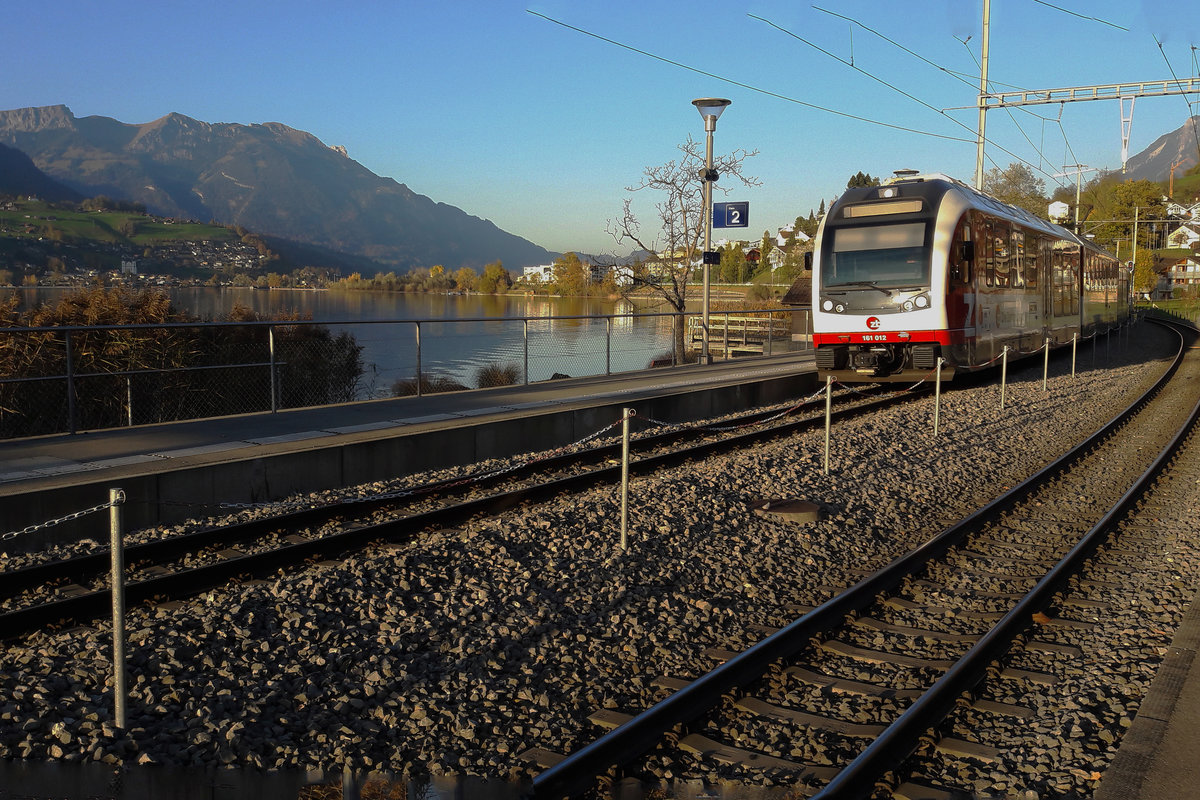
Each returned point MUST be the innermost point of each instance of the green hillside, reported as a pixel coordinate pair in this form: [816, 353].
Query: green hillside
[34, 219]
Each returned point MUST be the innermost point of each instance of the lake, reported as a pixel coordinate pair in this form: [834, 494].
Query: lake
[459, 334]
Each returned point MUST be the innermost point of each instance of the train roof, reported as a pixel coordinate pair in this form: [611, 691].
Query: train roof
[980, 199]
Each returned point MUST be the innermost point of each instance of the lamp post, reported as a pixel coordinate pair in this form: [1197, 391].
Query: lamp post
[710, 108]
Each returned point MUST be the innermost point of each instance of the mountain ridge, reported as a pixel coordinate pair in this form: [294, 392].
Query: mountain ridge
[266, 177]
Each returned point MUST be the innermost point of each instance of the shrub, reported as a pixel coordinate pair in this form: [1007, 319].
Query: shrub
[497, 375]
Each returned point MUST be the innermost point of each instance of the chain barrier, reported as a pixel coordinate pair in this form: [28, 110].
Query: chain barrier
[72, 516]
[429, 487]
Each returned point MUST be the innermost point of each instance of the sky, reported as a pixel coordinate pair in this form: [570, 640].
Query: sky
[538, 115]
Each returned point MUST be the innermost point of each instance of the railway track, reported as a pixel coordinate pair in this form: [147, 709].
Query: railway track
[836, 703]
[75, 590]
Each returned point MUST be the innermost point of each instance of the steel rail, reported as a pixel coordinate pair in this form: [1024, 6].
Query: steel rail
[81, 567]
[899, 739]
[577, 772]
[94, 605]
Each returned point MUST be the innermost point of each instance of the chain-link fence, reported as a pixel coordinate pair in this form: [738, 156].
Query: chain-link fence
[67, 379]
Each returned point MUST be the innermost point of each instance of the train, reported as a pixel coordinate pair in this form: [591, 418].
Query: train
[924, 267]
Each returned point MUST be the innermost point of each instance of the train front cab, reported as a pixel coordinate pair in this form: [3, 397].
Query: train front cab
[880, 284]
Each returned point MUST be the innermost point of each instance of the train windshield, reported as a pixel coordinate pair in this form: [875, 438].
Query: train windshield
[886, 256]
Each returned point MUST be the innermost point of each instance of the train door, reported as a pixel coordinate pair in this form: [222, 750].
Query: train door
[960, 290]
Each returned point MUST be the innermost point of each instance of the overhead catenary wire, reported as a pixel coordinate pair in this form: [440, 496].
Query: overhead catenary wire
[750, 87]
[1179, 83]
[915, 99]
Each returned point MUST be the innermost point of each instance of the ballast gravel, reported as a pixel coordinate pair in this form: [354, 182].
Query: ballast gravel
[457, 653]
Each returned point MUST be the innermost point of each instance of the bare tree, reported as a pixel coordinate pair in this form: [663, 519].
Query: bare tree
[672, 251]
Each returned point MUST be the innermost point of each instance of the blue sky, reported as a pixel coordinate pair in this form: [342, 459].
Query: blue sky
[488, 106]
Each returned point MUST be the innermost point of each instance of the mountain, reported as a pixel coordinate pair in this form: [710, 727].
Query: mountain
[20, 176]
[1155, 162]
[268, 178]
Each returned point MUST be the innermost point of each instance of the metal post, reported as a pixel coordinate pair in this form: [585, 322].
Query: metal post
[70, 384]
[417, 334]
[1074, 347]
[274, 378]
[828, 412]
[675, 321]
[628, 414]
[1003, 374]
[608, 345]
[117, 580]
[983, 88]
[129, 399]
[705, 355]
[1046, 365]
[725, 338]
[526, 356]
[937, 396]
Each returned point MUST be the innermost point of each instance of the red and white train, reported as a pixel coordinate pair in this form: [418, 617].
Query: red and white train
[925, 266]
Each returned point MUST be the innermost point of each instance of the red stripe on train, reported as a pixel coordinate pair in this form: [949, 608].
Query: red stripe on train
[884, 337]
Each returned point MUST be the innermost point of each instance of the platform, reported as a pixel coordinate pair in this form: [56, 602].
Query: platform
[1159, 755]
[177, 470]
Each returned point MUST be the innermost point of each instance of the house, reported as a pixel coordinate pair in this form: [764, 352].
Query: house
[1175, 274]
[1185, 236]
[539, 274]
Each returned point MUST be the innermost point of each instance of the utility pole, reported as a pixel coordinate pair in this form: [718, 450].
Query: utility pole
[1079, 170]
[983, 90]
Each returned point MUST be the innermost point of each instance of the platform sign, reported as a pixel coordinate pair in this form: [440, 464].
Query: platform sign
[731, 215]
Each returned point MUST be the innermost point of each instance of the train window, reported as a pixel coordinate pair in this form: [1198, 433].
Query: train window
[1017, 260]
[1000, 255]
[889, 255]
[1033, 260]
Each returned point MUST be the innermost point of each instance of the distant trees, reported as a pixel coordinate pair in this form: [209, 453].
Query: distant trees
[495, 278]
[465, 279]
[859, 180]
[570, 275]
[1018, 186]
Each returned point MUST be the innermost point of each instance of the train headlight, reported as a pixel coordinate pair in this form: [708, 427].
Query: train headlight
[922, 301]
[908, 305]
[827, 305]
[839, 308]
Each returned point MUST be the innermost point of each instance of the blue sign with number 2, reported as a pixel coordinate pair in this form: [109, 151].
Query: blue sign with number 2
[731, 215]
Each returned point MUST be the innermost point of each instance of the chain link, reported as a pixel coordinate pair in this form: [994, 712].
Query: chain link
[74, 515]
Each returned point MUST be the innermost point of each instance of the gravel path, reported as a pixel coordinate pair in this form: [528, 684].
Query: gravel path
[455, 654]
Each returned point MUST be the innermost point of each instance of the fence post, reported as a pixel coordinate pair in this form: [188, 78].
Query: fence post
[828, 410]
[1003, 374]
[608, 345]
[129, 399]
[115, 498]
[627, 413]
[675, 338]
[1046, 364]
[70, 383]
[525, 325]
[937, 396]
[271, 354]
[1074, 347]
[725, 337]
[417, 334]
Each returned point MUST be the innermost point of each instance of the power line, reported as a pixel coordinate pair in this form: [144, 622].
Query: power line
[747, 86]
[1179, 83]
[960, 76]
[1082, 16]
[896, 89]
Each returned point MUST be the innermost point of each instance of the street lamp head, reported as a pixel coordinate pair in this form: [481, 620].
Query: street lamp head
[710, 108]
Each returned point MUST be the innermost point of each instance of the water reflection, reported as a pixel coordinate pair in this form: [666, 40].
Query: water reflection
[452, 348]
